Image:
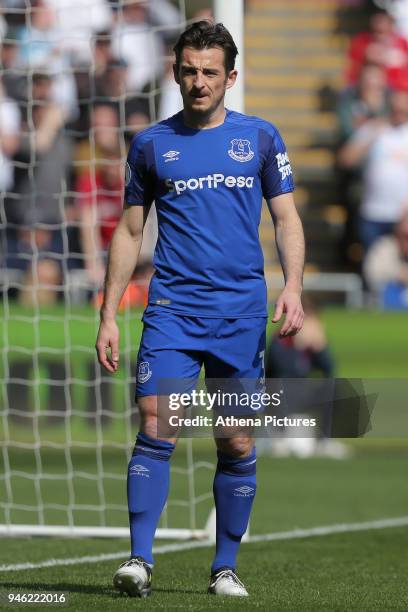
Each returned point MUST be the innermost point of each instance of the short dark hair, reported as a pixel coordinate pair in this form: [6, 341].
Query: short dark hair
[206, 35]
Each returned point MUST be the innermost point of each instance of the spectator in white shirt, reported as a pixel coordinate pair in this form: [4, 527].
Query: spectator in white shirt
[77, 21]
[10, 124]
[382, 147]
[41, 50]
[135, 40]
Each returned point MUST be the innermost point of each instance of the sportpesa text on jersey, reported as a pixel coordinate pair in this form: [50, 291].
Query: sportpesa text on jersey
[208, 187]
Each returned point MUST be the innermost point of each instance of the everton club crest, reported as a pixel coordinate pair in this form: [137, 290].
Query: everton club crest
[241, 150]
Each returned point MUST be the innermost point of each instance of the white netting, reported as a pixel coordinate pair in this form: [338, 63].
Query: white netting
[77, 80]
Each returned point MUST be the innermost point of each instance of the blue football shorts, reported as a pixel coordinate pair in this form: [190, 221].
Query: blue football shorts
[174, 347]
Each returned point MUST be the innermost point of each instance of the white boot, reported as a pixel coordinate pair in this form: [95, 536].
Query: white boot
[134, 577]
[226, 582]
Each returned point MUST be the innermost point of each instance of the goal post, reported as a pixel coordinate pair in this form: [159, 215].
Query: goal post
[231, 14]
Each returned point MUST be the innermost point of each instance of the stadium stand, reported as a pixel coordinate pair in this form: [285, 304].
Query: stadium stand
[296, 85]
[283, 80]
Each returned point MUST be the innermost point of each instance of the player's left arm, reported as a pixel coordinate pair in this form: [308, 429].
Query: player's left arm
[290, 243]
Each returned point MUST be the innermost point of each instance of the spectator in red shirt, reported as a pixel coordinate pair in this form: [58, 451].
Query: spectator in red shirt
[99, 200]
[383, 46]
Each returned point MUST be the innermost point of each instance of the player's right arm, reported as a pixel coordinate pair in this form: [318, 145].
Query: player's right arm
[123, 255]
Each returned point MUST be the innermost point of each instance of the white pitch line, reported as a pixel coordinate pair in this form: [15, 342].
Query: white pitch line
[401, 521]
[313, 532]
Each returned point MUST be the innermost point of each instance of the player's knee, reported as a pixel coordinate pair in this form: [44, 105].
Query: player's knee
[148, 415]
[154, 419]
[153, 448]
[238, 448]
[238, 466]
[148, 425]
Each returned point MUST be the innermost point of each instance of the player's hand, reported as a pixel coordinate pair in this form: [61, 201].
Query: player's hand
[107, 345]
[289, 303]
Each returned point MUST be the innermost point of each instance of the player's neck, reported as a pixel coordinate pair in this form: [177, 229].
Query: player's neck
[198, 121]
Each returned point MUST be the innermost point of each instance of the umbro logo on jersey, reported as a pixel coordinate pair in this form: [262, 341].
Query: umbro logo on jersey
[139, 470]
[244, 491]
[171, 156]
[241, 150]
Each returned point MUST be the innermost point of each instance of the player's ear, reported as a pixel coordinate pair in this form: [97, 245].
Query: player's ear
[231, 78]
[175, 73]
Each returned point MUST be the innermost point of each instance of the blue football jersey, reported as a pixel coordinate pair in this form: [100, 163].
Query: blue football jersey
[208, 187]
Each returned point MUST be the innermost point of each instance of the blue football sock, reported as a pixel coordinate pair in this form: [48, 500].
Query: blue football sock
[147, 490]
[234, 492]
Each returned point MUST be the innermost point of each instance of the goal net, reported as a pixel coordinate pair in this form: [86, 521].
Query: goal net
[77, 79]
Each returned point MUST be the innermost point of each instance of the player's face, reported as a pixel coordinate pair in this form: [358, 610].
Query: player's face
[203, 79]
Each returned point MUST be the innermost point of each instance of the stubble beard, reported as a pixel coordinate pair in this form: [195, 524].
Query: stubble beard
[206, 112]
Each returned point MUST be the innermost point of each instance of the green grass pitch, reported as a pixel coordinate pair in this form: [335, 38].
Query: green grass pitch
[352, 571]
[359, 571]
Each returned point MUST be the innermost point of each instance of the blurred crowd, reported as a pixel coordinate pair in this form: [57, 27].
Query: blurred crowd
[373, 152]
[78, 78]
